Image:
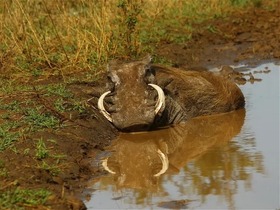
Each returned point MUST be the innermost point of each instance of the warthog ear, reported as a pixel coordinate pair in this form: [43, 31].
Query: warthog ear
[147, 59]
[113, 64]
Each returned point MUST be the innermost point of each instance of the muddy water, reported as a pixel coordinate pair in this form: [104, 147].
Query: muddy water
[226, 161]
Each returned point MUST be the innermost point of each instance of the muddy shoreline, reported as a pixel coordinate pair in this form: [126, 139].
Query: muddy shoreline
[250, 37]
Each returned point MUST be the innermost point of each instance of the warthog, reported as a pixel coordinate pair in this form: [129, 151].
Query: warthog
[141, 96]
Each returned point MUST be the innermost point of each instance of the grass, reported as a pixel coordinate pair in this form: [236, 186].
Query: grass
[23, 198]
[40, 120]
[56, 89]
[47, 159]
[71, 37]
[53, 169]
[41, 150]
[3, 170]
[7, 136]
[23, 112]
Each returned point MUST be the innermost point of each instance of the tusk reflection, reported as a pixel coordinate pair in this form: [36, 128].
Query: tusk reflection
[105, 166]
[165, 163]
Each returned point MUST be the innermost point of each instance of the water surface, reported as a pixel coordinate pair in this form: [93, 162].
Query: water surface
[226, 161]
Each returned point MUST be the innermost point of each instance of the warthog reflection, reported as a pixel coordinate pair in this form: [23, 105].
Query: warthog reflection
[137, 159]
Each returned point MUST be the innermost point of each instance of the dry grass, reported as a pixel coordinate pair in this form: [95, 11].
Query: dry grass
[67, 37]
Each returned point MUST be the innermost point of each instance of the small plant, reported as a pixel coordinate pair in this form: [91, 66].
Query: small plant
[26, 151]
[212, 29]
[59, 105]
[17, 198]
[78, 106]
[52, 169]
[41, 150]
[7, 138]
[3, 170]
[130, 11]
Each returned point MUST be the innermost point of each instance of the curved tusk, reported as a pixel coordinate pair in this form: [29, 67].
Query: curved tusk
[101, 106]
[160, 105]
[165, 163]
[105, 166]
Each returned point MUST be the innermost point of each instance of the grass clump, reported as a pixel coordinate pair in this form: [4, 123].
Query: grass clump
[7, 137]
[41, 150]
[21, 198]
[57, 90]
[53, 169]
[40, 120]
[3, 170]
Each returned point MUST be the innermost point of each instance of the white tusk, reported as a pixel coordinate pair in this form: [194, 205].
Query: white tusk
[165, 163]
[101, 106]
[105, 166]
[160, 105]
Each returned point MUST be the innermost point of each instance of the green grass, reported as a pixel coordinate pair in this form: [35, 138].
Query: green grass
[3, 170]
[48, 160]
[12, 106]
[56, 90]
[37, 119]
[10, 87]
[23, 198]
[62, 105]
[41, 150]
[7, 137]
[53, 169]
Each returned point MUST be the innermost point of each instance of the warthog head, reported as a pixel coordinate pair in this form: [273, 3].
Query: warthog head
[132, 100]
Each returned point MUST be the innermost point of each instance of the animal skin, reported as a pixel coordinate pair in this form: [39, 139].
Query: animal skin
[136, 89]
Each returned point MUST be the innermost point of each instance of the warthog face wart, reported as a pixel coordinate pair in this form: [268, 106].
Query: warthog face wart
[133, 100]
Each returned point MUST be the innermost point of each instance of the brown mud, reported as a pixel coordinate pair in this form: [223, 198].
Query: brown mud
[250, 36]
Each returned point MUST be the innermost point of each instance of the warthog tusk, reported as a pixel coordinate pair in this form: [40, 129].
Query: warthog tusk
[101, 106]
[165, 163]
[105, 166]
[160, 105]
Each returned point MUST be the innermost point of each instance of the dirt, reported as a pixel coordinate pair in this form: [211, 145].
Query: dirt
[250, 36]
[247, 36]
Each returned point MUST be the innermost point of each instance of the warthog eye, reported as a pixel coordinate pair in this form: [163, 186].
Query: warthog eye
[110, 83]
[113, 80]
[149, 75]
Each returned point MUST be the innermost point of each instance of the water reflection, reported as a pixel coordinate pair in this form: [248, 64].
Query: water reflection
[135, 159]
[214, 161]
